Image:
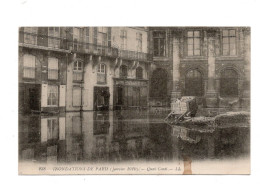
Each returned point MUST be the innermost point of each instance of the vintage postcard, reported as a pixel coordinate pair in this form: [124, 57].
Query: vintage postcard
[134, 100]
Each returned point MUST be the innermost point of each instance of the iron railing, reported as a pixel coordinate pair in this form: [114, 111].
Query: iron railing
[81, 47]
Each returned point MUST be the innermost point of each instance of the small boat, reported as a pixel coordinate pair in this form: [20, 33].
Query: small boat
[182, 110]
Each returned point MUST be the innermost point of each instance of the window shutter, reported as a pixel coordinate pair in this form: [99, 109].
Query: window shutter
[62, 95]
[44, 129]
[185, 48]
[61, 128]
[44, 95]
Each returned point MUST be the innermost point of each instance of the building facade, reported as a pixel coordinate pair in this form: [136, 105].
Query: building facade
[42, 69]
[82, 68]
[210, 63]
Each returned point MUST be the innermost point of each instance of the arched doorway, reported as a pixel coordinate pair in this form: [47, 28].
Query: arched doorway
[193, 83]
[159, 84]
[229, 83]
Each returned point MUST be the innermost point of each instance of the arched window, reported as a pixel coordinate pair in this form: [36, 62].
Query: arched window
[29, 66]
[101, 73]
[193, 83]
[77, 70]
[123, 71]
[139, 73]
[229, 83]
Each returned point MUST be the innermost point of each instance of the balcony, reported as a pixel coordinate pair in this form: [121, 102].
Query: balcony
[58, 43]
[132, 55]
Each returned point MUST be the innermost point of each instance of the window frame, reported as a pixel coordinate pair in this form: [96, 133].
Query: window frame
[123, 67]
[33, 68]
[139, 69]
[160, 40]
[193, 37]
[55, 37]
[53, 69]
[102, 72]
[139, 39]
[77, 71]
[57, 93]
[229, 43]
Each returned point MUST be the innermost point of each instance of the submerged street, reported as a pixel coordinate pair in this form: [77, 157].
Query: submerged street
[126, 135]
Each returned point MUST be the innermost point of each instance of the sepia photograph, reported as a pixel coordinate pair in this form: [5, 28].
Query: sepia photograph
[151, 100]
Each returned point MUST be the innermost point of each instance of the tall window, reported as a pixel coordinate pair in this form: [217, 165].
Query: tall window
[102, 39]
[229, 42]
[229, 83]
[53, 68]
[139, 42]
[77, 71]
[54, 37]
[193, 43]
[159, 43]
[123, 37]
[123, 71]
[87, 37]
[76, 38]
[139, 73]
[52, 95]
[95, 37]
[101, 73]
[29, 66]
[30, 35]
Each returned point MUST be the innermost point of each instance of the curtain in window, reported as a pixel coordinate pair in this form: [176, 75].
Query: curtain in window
[52, 95]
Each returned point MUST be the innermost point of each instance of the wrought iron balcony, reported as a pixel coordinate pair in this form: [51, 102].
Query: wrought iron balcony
[32, 39]
[132, 55]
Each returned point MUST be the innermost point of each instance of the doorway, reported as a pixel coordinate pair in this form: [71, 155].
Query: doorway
[193, 83]
[101, 98]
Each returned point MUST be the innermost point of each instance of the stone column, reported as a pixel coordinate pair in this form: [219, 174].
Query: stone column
[211, 94]
[176, 67]
[247, 59]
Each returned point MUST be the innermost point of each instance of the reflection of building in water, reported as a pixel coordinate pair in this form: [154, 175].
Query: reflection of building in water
[42, 138]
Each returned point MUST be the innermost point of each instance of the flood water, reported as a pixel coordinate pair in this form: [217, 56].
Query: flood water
[127, 135]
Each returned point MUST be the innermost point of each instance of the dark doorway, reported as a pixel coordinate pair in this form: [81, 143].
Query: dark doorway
[229, 83]
[101, 98]
[29, 97]
[193, 83]
[120, 93]
[159, 83]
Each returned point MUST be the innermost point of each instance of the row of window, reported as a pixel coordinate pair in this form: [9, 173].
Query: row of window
[101, 36]
[53, 69]
[29, 67]
[194, 44]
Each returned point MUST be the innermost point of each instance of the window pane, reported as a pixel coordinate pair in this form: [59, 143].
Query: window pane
[196, 33]
[225, 40]
[196, 41]
[190, 41]
[232, 49]
[190, 33]
[53, 63]
[232, 33]
[29, 61]
[225, 32]
[190, 47]
[190, 52]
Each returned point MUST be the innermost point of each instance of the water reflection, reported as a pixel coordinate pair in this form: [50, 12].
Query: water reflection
[116, 136]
